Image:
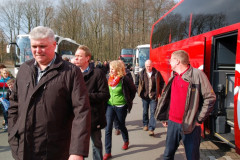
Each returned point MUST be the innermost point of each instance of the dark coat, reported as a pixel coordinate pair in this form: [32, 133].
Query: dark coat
[9, 92]
[158, 84]
[50, 120]
[129, 91]
[98, 91]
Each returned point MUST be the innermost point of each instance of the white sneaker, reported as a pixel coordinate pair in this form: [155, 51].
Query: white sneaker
[5, 127]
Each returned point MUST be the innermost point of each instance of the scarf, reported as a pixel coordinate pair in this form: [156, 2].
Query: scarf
[113, 81]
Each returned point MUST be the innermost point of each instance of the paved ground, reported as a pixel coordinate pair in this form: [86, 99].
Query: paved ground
[142, 146]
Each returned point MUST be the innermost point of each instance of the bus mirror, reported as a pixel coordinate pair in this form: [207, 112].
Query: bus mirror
[8, 48]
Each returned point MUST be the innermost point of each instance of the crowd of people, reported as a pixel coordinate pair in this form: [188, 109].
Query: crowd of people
[87, 97]
[6, 85]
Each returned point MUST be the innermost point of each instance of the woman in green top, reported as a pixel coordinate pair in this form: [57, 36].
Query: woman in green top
[122, 91]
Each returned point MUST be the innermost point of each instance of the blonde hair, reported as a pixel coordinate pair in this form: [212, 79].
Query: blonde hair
[182, 56]
[86, 50]
[12, 80]
[119, 66]
[5, 70]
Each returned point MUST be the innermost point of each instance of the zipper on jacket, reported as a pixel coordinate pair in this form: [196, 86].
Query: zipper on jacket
[27, 87]
[45, 86]
[187, 104]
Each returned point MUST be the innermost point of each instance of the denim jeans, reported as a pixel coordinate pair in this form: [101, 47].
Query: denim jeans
[116, 123]
[5, 114]
[97, 144]
[120, 113]
[151, 123]
[191, 141]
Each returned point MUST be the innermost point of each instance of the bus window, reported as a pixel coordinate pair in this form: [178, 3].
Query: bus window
[24, 52]
[175, 26]
[67, 48]
[226, 47]
[143, 56]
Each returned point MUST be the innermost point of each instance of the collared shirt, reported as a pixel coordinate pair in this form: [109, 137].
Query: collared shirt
[86, 70]
[178, 98]
[149, 74]
[150, 85]
[40, 72]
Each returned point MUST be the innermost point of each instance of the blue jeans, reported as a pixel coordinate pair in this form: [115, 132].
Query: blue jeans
[191, 141]
[5, 114]
[151, 123]
[116, 123]
[97, 144]
[120, 113]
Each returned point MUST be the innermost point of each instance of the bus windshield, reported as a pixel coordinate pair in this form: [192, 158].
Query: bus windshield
[127, 60]
[143, 56]
[23, 52]
[127, 52]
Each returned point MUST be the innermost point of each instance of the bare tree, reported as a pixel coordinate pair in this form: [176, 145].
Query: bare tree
[106, 26]
[68, 21]
[37, 12]
[11, 17]
[2, 45]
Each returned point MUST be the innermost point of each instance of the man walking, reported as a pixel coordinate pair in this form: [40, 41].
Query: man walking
[49, 115]
[186, 101]
[98, 91]
[150, 88]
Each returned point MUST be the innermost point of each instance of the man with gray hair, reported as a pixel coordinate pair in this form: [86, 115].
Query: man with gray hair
[49, 115]
[150, 88]
[187, 100]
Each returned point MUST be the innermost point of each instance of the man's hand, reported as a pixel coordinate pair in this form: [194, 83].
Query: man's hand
[165, 123]
[75, 157]
[197, 124]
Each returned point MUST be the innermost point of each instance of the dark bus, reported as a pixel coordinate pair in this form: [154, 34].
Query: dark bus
[126, 56]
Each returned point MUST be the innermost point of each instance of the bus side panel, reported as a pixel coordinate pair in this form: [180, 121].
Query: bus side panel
[196, 52]
[237, 98]
[161, 56]
[195, 46]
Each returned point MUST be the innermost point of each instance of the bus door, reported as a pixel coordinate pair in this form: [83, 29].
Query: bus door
[237, 98]
[223, 62]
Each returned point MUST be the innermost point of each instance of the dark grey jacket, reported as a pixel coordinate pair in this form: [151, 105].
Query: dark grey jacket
[199, 102]
[129, 91]
[50, 120]
[98, 91]
[157, 86]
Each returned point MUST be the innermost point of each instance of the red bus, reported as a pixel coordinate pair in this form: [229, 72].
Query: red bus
[126, 56]
[209, 30]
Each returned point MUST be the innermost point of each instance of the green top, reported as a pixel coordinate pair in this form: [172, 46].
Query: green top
[117, 97]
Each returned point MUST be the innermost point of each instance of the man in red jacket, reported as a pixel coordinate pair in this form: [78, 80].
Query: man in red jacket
[187, 100]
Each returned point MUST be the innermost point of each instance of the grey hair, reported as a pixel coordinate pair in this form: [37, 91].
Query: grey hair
[148, 61]
[182, 56]
[42, 32]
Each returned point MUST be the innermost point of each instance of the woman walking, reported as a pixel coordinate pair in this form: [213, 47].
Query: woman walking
[122, 91]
